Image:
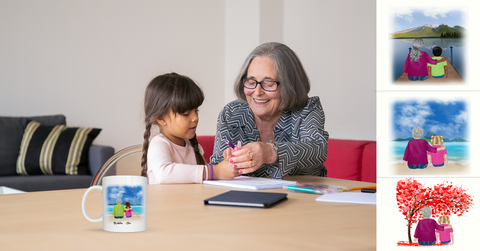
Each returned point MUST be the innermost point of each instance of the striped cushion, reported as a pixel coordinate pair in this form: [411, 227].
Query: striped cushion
[55, 149]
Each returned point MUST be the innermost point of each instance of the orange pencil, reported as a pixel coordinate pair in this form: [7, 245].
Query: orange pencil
[359, 188]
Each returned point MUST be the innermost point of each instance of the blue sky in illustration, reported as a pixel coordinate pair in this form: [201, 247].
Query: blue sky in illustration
[445, 118]
[132, 194]
[411, 17]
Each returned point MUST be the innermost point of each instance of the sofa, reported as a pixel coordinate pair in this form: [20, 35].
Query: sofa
[11, 137]
[346, 159]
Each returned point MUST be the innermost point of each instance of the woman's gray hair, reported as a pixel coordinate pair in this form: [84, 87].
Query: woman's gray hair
[119, 200]
[417, 45]
[426, 212]
[294, 83]
[417, 132]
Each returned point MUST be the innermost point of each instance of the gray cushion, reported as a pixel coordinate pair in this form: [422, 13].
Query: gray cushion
[11, 133]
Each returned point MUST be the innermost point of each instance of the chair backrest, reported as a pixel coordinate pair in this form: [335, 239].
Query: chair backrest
[128, 166]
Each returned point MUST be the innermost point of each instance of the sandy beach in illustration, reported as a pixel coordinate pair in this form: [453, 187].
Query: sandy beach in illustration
[124, 220]
[451, 169]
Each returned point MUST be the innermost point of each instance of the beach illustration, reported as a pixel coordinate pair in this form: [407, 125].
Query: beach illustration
[430, 211]
[125, 204]
[430, 137]
[437, 33]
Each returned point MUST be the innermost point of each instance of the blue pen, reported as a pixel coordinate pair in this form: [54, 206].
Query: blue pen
[229, 143]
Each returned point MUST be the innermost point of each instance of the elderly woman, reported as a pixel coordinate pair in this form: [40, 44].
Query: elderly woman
[416, 63]
[425, 231]
[415, 155]
[278, 129]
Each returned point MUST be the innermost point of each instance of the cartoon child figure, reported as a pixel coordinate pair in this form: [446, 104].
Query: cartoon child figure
[128, 210]
[118, 210]
[440, 157]
[440, 69]
[445, 236]
[415, 155]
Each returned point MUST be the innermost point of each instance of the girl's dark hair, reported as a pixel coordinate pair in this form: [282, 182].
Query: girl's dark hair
[127, 204]
[165, 93]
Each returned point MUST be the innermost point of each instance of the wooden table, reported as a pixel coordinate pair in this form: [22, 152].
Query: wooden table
[178, 220]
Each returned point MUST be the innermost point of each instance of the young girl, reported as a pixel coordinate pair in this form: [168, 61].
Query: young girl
[445, 236]
[174, 155]
[440, 157]
[128, 210]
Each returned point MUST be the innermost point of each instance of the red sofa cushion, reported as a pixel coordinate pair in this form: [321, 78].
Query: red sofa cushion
[207, 144]
[369, 162]
[344, 159]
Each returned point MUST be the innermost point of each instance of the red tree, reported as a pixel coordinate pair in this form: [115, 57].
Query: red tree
[448, 199]
[444, 199]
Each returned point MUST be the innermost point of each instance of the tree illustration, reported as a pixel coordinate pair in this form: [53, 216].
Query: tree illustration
[449, 199]
[443, 198]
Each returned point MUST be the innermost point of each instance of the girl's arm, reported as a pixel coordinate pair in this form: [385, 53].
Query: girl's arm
[446, 159]
[164, 170]
[429, 160]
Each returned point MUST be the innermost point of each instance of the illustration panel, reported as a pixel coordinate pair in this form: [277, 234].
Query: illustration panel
[421, 46]
[421, 37]
[427, 134]
[125, 204]
[427, 213]
[430, 137]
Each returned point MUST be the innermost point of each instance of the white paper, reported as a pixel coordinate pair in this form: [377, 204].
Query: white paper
[251, 183]
[350, 197]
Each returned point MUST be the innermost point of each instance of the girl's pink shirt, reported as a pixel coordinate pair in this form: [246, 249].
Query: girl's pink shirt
[437, 158]
[171, 163]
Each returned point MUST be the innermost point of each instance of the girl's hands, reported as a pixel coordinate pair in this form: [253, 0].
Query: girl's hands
[224, 171]
[251, 156]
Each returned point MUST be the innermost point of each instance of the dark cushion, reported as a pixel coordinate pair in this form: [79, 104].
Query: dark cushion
[55, 149]
[11, 133]
[46, 182]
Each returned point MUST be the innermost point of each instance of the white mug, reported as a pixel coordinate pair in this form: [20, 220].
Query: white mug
[124, 200]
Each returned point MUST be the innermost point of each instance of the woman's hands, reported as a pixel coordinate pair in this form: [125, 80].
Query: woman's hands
[251, 156]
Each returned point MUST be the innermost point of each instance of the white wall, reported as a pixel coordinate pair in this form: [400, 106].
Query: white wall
[91, 60]
[336, 42]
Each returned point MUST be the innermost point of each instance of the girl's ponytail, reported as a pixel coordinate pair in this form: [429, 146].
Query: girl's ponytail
[146, 142]
[198, 156]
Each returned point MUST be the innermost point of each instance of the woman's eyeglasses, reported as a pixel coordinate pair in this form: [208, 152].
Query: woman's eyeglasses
[267, 85]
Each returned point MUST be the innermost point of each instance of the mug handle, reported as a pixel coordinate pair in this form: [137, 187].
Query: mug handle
[83, 203]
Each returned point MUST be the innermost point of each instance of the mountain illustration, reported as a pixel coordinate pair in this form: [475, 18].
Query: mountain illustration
[441, 30]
